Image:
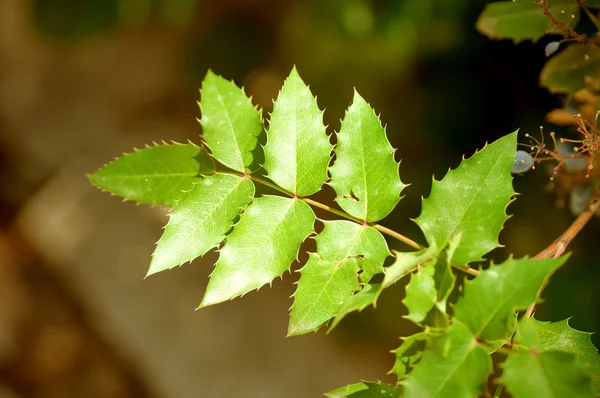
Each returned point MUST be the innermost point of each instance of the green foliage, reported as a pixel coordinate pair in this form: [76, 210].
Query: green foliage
[260, 238]
[575, 67]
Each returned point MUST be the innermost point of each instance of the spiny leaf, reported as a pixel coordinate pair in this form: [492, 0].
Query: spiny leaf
[546, 374]
[342, 239]
[489, 300]
[471, 200]
[421, 294]
[361, 300]
[406, 263]
[156, 175]
[455, 366]
[559, 336]
[322, 289]
[230, 123]
[261, 247]
[574, 68]
[365, 175]
[331, 276]
[367, 389]
[201, 219]
[298, 150]
[409, 353]
[444, 277]
[523, 19]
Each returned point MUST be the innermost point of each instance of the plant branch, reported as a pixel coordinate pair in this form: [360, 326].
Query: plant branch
[558, 247]
[467, 269]
[581, 38]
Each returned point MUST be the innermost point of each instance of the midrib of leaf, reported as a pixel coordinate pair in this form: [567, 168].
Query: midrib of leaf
[230, 122]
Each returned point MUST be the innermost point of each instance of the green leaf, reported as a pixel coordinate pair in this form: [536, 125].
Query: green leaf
[489, 301]
[471, 200]
[559, 336]
[421, 294]
[261, 247]
[367, 389]
[406, 263]
[230, 123]
[340, 240]
[361, 300]
[157, 175]
[444, 277]
[546, 374]
[409, 353]
[201, 220]
[298, 150]
[322, 289]
[455, 366]
[365, 175]
[523, 19]
[574, 68]
[331, 276]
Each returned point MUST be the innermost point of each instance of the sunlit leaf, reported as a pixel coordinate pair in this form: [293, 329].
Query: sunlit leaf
[361, 300]
[409, 353]
[156, 175]
[421, 294]
[366, 389]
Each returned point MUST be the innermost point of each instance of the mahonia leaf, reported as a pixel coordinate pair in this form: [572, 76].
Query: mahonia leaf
[489, 301]
[262, 246]
[365, 175]
[331, 276]
[443, 277]
[574, 68]
[471, 200]
[546, 374]
[406, 263]
[421, 294]
[523, 19]
[559, 336]
[366, 389]
[298, 150]
[454, 366]
[409, 353]
[230, 123]
[201, 219]
[322, 289]
[361, 300]
[342, 239]
[157, 175]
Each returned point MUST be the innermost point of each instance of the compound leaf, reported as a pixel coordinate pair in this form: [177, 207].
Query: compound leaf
[546, 374]
[409, 353]
[322, 289]
[559, 336]
[366, 389]
[201, 219]
[298, 150]
[230, 123]
[454, 366]
[156, 175]
[471, 201]
[489, 301]
[365, 175]
[361, 300]
[330, 277]
[261, 247]
[523, 19]
[574, 68]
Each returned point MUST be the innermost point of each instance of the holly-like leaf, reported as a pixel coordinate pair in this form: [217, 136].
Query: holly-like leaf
[471, 201]
[546, 374]
[454, 366]
[361, 300]
[365, 175]
[366, 389]
[201, 219]
[230, 123]
[156, 175]
[331, 276]
[322, 289]
[409, 353]
[406, 263]
[421, 294]
[489, 301]
[524, 20]
[298, 150]
[262, 246]
[559, 336]
[574, 68]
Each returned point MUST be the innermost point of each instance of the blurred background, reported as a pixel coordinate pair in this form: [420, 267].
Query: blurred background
[82, 81]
